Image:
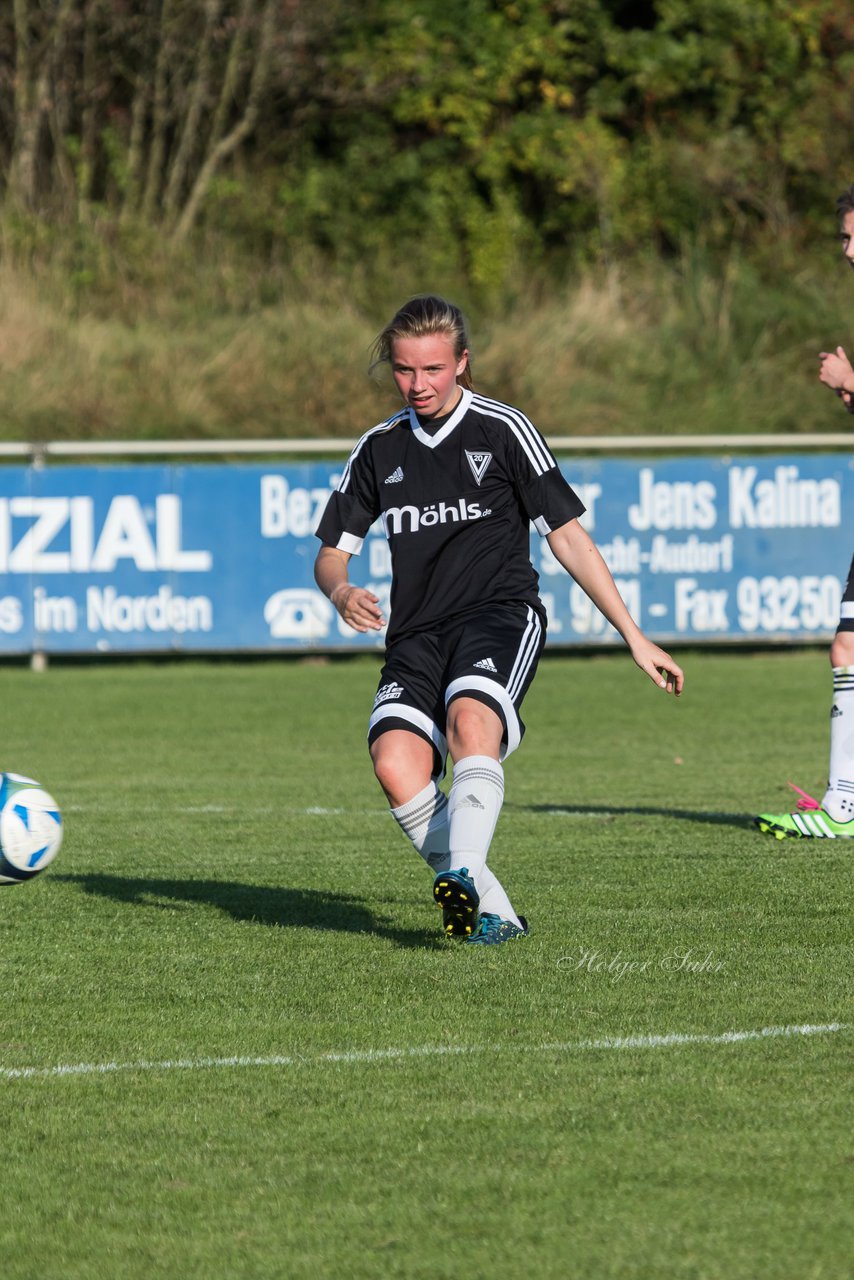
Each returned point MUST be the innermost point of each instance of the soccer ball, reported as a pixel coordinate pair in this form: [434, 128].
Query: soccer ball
[30, 828]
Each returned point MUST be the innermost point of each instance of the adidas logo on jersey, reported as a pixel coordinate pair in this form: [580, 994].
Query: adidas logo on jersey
[395, 477]
[487, 665]
[387, 692]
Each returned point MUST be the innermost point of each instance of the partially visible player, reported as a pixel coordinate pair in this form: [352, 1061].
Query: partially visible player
[457, 480]
[833, 816]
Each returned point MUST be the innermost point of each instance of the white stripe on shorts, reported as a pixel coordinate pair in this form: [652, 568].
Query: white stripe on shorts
[498, 694]
[527, 653]
[526, 656]
[417, 719]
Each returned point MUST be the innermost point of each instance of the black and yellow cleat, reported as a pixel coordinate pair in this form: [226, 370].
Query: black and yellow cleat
[455, 893]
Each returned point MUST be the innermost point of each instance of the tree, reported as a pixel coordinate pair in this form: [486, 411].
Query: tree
[39, 40]
[474, 135]
[135, 107]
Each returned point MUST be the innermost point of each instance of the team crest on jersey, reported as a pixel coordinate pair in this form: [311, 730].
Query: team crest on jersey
[478, 463]
[387, 691]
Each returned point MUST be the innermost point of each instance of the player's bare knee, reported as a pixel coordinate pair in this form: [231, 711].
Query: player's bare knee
[473, 729]
[402, 765]
[386, 767]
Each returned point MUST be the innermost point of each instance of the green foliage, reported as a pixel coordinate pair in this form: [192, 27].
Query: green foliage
[474, 140]
[583, 131]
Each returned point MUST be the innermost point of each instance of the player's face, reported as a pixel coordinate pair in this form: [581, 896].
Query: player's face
[847, 237]
[426, 372]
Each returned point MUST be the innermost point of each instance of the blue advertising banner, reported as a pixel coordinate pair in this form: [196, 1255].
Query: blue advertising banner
[204, 557]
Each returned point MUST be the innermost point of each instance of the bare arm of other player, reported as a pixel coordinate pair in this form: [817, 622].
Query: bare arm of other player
[359, 607]
[836, 372]
[581, 558]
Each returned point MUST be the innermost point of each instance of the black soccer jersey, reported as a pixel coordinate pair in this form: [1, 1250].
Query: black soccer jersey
[456, 506]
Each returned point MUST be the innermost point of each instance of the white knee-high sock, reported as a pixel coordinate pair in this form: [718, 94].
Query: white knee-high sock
[839, 797]
[424, 820]
[477, 794]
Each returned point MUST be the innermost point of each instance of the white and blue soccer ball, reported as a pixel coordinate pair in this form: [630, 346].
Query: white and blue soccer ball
[30, 828]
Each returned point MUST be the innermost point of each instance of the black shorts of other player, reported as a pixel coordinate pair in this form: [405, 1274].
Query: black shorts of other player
[491, 658]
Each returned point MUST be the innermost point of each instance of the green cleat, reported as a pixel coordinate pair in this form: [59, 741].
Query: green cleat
[811, 821]
[492, 929]
[455, 893]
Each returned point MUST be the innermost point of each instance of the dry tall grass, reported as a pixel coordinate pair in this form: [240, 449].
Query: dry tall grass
[214, 350]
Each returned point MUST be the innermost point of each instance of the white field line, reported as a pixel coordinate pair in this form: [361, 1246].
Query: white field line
[555, 811]
[252, 811]
[355, 1056]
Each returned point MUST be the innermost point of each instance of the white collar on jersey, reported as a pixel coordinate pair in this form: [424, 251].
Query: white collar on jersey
[442, 434]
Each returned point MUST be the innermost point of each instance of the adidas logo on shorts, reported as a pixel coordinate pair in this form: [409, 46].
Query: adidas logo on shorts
[486, 664]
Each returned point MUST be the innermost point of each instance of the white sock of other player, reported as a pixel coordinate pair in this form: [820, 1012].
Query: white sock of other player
[424, 820]
[839, 797]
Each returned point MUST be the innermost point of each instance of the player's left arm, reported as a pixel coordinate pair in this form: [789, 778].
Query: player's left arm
[836, 372]
[583, 561]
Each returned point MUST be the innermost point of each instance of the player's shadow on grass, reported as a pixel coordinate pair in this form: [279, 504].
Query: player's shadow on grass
[606, 811]
[259, 904]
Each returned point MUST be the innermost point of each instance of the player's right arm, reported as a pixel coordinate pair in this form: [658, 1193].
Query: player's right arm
[358, 607]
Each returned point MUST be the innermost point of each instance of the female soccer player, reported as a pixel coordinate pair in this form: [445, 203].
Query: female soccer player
[457, 479]
[832, 816]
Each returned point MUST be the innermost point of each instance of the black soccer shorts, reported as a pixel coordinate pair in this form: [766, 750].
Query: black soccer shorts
[491, 657]
[846, 611]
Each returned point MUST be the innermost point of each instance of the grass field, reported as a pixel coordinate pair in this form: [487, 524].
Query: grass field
[234, 1043]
